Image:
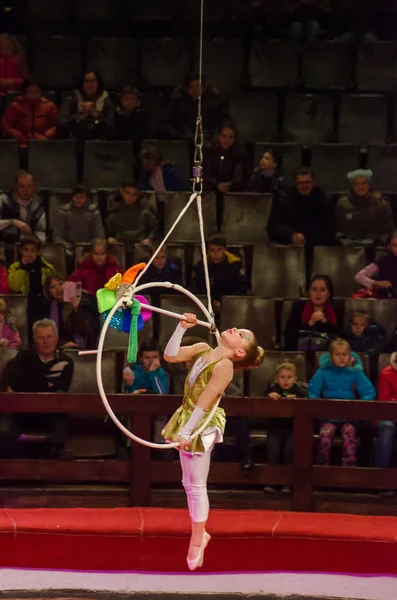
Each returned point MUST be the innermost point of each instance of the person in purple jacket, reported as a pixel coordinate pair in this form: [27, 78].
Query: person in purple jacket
[9, 334]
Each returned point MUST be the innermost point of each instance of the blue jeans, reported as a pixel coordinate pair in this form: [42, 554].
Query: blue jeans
[384, 444]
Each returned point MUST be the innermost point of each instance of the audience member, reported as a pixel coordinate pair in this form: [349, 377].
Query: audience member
[9, 334]
[226, 167]
[76, 318]
[78, 221]
[27, 275]
[304, 216]
[180, 122]
[13, 68]
[4, 287]
[358, 21]
[364, 216]
[280, 432]
[267, 178]
[30, 116]
[87, 114]
[386, 430]
[386, 269]
[37, 370]
[148, 377]
[226, 272]
[157, 174]
[130, 118]
[96, 268]
[21, 213]
[312, 324]
[304, 20]
[364, 335]
[340, 377]
[130, 222]
[162, 269]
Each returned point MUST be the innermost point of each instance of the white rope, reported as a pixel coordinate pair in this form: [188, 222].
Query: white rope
[205, 259]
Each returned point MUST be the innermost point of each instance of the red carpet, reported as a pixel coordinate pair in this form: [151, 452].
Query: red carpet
[154, 539]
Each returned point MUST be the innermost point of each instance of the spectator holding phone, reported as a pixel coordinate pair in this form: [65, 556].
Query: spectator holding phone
[73, 312]
[96, 268]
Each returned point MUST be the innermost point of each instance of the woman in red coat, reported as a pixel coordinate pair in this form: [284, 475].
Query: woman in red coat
[12, 64]
[96, 268]
[30, 116]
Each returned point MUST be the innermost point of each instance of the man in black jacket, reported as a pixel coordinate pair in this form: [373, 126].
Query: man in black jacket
[37, 370]
[305, 216]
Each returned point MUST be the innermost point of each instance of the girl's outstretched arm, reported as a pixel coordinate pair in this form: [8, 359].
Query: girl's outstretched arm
[173, 352]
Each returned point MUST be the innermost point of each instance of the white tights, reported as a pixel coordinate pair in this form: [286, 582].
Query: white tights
[195, 469]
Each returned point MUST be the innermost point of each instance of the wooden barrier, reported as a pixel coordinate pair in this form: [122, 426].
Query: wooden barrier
[142, 472]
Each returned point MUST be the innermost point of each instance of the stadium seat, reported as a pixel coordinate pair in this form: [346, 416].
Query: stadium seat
[164, 61]
[156, 110]
[259, 379]
[342, 157]
[326, 65]
[383, 312]
[100, 11]
[178, 253]
[256, 314]
[363, 119]
[84, 376]
[219, 55]
[53, 164]
[383, 362]
[180, 304]
[187, 229]
[115, 59]
[42, 12]
[9, 164]
[382, 160]
[291, 157]
[107, 164]
[152, 16]
[273, 64]
[116, 250]
[218, 16]
[278, 271]
[49, 53]
[341, 263]
[55, 254]
[309, 119]
[245, 217]
[376, 66]
[255, 115]
[18, 306]
[176, 151]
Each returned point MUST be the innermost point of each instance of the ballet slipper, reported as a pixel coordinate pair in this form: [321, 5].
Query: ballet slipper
[199, 559]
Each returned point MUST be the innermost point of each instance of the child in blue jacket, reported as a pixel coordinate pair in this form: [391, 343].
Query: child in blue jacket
[340, 377]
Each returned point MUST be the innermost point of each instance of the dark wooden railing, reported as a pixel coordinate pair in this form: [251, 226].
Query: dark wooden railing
[142, 472]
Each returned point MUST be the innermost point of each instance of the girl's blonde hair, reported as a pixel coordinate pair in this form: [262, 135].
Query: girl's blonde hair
[338, 342]
[361, 314]
[288, 366]
[100, 242]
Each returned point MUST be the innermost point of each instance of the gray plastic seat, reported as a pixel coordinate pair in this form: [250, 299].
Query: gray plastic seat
[249, 312]
[278, 271]
[177, 152]
[18, 306]
[309, 118]
[49, 54]
[363, 119]
[342, 157]
[55, 254]
[291, 157]
[219, 55]
[273, 64]
[115, 59]
[53, 164]
[9, 164]
[116, 250]
[383, 312]
[383, 362]
[382, 160]
[187, 229]
[341, 263]
[84, 375]
[181, 304]
[245, 217]
[164, 61]
[255, 115]
[376, 66]
[156, 110]
[107, 164]
[259, 378]
[326, 65]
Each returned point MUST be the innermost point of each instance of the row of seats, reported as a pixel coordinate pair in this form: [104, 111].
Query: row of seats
[107, 164]
[163, 62]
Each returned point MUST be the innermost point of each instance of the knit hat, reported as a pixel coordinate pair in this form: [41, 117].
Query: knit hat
[367, 173]
[30, 239]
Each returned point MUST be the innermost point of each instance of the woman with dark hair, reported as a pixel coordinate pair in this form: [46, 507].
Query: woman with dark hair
[76, 320]
[30, 116]
[13, 69]
[225, 163]
[159, 175]
[87, 114]
[267, 178]
[310, 323]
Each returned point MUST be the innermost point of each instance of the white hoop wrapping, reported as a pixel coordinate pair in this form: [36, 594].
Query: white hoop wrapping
[102, 392]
